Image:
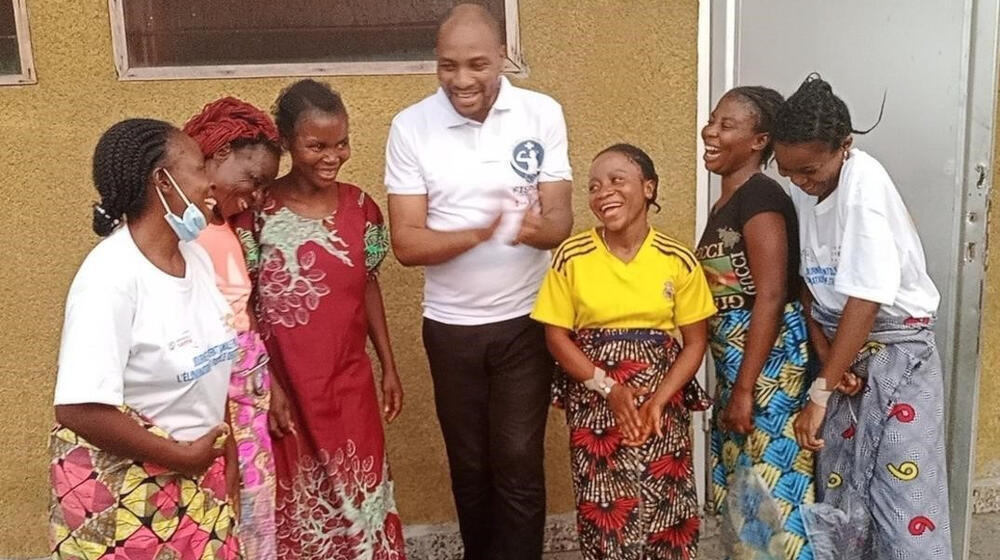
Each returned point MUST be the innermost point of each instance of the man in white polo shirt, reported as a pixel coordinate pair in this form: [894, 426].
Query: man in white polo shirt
[479, 190]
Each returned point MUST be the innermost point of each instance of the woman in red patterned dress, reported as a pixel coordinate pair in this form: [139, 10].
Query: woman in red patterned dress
[319, 245]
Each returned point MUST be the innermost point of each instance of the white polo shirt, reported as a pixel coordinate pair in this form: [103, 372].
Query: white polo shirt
[470, 172]
[860, 242]
[134, 335]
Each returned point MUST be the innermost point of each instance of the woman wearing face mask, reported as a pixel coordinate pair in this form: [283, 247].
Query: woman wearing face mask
[144, 364]
[760, 346]
[240, 144]
[609, 302]
[321, 243]
[872, 308]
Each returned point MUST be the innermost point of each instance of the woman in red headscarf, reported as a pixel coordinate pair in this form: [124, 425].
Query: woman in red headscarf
[240, 144]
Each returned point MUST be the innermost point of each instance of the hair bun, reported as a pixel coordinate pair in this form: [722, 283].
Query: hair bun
[103, 223]
[815, 81]
[812, 113]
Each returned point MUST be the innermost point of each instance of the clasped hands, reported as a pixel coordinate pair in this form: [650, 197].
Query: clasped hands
[637, 423]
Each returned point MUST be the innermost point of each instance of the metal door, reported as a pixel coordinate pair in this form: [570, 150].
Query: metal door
[936, 62]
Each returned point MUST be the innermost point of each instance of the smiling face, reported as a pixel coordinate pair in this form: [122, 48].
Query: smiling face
[186, 166]
[618, 193]
[320, 146]
[469, 61]
[239, 176]
[731, 139]
[813, 166]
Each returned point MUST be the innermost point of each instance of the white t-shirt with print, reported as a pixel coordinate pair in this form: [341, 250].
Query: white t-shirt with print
[470, 173]
[135, 335]
[861, 242]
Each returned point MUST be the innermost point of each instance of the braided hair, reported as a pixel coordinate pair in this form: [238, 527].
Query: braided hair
[124, 158]
[302, 96]
[814, 113]
[641, 159]
[764, 104]
[232, 122]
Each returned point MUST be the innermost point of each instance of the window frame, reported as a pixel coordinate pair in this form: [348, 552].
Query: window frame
[513, 64]
[27, 75]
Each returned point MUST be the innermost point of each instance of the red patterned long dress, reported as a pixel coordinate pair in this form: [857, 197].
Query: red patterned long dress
[334, 494]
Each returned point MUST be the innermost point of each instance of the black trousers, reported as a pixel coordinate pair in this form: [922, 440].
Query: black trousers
[491, 390]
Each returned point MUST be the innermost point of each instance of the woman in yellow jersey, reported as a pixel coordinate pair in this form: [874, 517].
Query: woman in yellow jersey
[609, 302]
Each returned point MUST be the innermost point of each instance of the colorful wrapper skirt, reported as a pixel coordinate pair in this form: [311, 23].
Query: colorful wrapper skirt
[760, 480]
[885, 486]
[632, 502]
[249, 400]
[107, 507]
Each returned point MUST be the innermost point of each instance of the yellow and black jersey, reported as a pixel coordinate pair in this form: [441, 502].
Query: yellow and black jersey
[662, 287]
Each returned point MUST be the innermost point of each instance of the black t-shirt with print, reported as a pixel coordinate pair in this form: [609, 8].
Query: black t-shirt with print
[722, 249]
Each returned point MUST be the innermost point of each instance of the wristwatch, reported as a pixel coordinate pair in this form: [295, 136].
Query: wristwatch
[600, 383]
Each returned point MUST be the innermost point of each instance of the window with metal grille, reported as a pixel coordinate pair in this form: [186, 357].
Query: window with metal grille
[163, 39]
[16, 65]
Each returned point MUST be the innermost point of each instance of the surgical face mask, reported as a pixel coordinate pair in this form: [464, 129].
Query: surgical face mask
[188, 226]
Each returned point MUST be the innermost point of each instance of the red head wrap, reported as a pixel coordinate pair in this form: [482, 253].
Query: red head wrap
[225, 120]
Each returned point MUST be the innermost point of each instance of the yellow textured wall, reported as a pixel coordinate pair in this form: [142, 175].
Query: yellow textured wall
[621, 74]
[988, 436]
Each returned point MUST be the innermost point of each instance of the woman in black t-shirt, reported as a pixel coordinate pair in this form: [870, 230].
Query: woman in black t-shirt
[750, 253]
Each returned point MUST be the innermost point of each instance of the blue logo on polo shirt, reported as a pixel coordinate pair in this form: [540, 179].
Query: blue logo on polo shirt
[526, 159]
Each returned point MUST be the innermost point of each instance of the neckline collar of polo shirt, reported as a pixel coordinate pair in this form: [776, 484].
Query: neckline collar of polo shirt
[453, 118]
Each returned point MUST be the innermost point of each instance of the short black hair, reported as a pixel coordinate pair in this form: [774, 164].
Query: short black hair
[124, 159]
[637, 156]
[302, 96]
[765, 103]
[814, 113]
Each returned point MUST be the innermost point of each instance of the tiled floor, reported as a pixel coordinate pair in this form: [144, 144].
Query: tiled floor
[985, 543]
